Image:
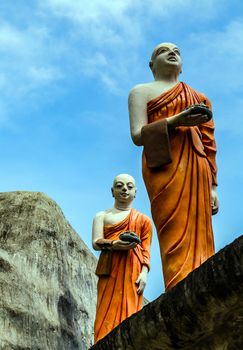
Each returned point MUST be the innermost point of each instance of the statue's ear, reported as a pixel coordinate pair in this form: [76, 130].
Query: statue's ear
[151, 65]
[112, 191]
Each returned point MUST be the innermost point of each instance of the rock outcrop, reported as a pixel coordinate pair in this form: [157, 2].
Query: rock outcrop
[203, 312]
[47, 280]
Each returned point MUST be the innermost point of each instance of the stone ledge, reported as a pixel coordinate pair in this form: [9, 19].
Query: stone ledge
[203, 312]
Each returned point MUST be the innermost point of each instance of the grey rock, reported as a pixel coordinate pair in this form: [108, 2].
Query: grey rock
[203, 312]
[47, 279]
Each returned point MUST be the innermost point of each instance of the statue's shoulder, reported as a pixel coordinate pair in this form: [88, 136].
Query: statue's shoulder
[100, 215]
[103, 214]
[141, 89]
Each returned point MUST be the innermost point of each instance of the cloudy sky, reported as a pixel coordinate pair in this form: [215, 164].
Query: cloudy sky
[66, 68]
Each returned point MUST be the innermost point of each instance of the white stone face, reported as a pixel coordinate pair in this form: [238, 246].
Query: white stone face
[47, 277]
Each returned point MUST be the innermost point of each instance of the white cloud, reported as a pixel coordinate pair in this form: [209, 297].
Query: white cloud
[43, 74]
[10, 38]
[118, 29]
[86, 10]
[26, 64]
[221, 52]
[214, 60]
[108, 30]
[22, 43]
[68, 39]
[105, 22]
[116, 11]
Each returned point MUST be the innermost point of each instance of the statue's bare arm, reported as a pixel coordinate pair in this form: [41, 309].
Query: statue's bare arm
[137, 105]
[98, 229]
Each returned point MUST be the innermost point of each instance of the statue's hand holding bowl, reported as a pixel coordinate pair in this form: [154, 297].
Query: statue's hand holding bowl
[199, 109]
[127, 240]
[122, 245]
[191, 116]
[130, 236]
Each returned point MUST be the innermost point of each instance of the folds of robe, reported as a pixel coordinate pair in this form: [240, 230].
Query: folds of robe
[180, 192]
[117, 294]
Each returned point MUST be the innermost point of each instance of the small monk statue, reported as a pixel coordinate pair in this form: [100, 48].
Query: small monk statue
[173, 122]
[124, 236]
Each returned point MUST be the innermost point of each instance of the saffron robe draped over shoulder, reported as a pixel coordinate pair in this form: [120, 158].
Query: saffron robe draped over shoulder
[180, 192]
[117, 294]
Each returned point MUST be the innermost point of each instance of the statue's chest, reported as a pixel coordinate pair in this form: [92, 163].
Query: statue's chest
[112, 219]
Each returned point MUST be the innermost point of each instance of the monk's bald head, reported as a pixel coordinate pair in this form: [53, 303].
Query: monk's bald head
[126, 178]
[165, 56]
[157, 47]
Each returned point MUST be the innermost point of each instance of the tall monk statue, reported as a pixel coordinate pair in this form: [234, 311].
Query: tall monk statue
[124, 236]
[173, 122]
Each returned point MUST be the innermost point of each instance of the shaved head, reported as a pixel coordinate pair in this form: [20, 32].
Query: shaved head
[170, 45]
[124, 178]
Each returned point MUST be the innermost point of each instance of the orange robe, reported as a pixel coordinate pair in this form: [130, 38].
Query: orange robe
[117, 294]
[180, 192]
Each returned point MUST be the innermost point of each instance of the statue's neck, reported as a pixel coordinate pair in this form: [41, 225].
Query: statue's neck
[122, 206]
[167, 79]
[169, 76]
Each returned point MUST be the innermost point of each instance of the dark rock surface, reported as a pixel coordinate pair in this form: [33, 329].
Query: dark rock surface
[47, 280]
[203, 312]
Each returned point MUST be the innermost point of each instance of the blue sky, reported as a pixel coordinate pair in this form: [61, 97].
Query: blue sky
[66, 68]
